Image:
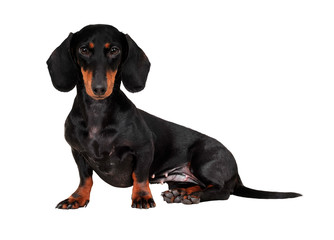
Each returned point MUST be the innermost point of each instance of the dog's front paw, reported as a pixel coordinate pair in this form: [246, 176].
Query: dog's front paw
[73, 203]
[145, 201]
[141, 194]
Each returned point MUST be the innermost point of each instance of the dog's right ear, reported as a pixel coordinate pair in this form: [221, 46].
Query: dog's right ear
[62, 69]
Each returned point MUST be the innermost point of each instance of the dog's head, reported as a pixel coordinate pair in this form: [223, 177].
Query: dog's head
[98, 57]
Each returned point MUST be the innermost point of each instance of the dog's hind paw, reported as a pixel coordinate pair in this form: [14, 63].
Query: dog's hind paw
[181, 196]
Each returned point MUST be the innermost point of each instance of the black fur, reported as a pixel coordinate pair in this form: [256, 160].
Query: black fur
[63, 72]
[125, 145]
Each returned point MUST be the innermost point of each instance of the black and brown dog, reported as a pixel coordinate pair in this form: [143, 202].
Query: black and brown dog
[126, 146]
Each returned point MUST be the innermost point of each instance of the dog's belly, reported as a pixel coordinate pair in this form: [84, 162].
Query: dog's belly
[115, 169]
[180, 174]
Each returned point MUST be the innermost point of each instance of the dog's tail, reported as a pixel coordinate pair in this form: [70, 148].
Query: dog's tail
[242, 191]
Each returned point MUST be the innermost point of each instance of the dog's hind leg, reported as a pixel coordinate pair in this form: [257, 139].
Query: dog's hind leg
[195, 194]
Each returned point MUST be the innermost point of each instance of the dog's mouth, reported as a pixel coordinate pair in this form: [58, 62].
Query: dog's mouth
[97, 97]
[87, 76]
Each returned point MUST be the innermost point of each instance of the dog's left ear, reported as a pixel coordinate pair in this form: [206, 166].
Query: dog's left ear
[135, 67]
[62, 68]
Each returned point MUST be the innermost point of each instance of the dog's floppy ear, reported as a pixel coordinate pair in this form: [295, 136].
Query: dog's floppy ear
[62, 68]
[135, 67]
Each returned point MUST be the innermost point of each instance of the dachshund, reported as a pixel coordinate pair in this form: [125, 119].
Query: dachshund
[127, 146]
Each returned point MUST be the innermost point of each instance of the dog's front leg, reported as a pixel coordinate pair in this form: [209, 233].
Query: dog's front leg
[80, 198]
[141, 193]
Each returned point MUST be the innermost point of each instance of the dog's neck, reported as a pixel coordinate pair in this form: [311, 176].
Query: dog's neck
[101, 112]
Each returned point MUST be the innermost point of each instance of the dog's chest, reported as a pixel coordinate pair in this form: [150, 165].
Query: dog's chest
[106, 154]
[99, 142]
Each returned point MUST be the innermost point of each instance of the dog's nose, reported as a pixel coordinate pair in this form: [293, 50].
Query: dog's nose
[99, 90]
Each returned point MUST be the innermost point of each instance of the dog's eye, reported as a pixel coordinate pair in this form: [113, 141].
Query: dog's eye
[84, 51]
[114, 51]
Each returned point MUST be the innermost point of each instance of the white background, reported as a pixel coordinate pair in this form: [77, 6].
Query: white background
[256, 75]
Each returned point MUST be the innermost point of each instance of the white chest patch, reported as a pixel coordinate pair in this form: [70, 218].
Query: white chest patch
[93, 131]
